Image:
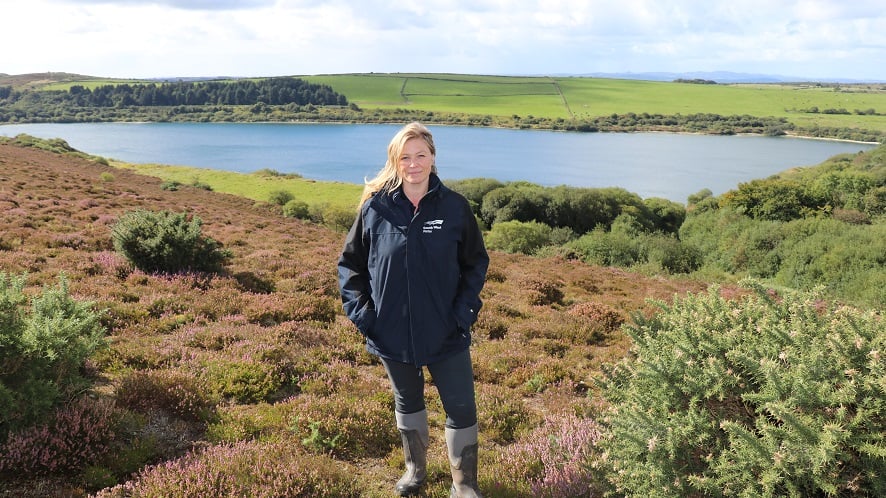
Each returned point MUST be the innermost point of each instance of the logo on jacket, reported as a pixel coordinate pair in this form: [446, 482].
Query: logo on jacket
[432, 225]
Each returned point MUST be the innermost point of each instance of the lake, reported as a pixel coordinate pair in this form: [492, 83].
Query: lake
[672, 166]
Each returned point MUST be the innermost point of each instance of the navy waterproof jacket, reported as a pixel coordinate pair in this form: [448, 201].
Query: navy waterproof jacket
[412, 285]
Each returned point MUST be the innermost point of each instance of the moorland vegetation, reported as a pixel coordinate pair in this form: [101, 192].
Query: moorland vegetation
[245, 379]
[161, 337]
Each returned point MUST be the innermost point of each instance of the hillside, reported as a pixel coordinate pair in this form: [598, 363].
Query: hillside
[35, 80]
[263, 349]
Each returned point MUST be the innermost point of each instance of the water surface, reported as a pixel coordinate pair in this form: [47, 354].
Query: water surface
[672, 166]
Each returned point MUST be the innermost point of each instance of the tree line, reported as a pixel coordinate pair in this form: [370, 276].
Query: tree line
[270, 91]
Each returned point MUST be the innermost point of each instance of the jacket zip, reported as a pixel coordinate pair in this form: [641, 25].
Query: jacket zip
[409, 288]
[409, 232]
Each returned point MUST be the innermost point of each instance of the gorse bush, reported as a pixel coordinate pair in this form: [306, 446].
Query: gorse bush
[166, 242]
[43, 347]
[759, 396]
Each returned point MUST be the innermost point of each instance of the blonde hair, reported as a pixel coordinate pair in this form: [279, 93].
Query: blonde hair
[388, 179]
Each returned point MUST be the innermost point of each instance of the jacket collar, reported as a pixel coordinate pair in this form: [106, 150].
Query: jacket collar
[435, 187]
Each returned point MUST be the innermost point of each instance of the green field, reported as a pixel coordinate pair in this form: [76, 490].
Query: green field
[858, 106]
[580, 97]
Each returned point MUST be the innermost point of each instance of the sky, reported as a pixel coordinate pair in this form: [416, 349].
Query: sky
[815, 39]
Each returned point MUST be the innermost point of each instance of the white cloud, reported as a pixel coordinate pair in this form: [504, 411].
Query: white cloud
[182, 4]
[142, 38]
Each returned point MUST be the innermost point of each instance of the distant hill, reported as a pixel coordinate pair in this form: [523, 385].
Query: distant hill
[30, 80]
[36, 79]
[721, 77]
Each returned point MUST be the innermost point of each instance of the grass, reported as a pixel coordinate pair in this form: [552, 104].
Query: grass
[257, 186]
[583, 97]
[591, 97]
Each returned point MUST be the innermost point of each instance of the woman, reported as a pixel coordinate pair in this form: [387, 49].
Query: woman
[410, 277]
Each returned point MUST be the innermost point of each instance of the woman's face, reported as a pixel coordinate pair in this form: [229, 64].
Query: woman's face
[415, 162]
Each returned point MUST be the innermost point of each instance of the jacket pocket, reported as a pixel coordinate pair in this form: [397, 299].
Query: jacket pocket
[365, 321]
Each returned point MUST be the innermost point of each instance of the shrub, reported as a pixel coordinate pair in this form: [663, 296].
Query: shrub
[474, 189]
[699, 196]
[267, 172]
[280, 197]
[758, 396]
[276, 308]
[166, 242]
[337, 217]
[197, 183]
[246, 380]
[673, 255]
[502, 416]
[177, 393]
[251, 282]
[667, 215]
[42, 350]
[543, 292]
[851, 216]
[773, 199]
[76, 435]
[607, 248]
[847, 259]
[490, 326]
[557, 459]
[801, 254]
[518, 236]
[255, 469]
[260, 421]
[328, 378]
[347, 425]
[606, 316]
[874, 201]
[296, 209]
[170, 185]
